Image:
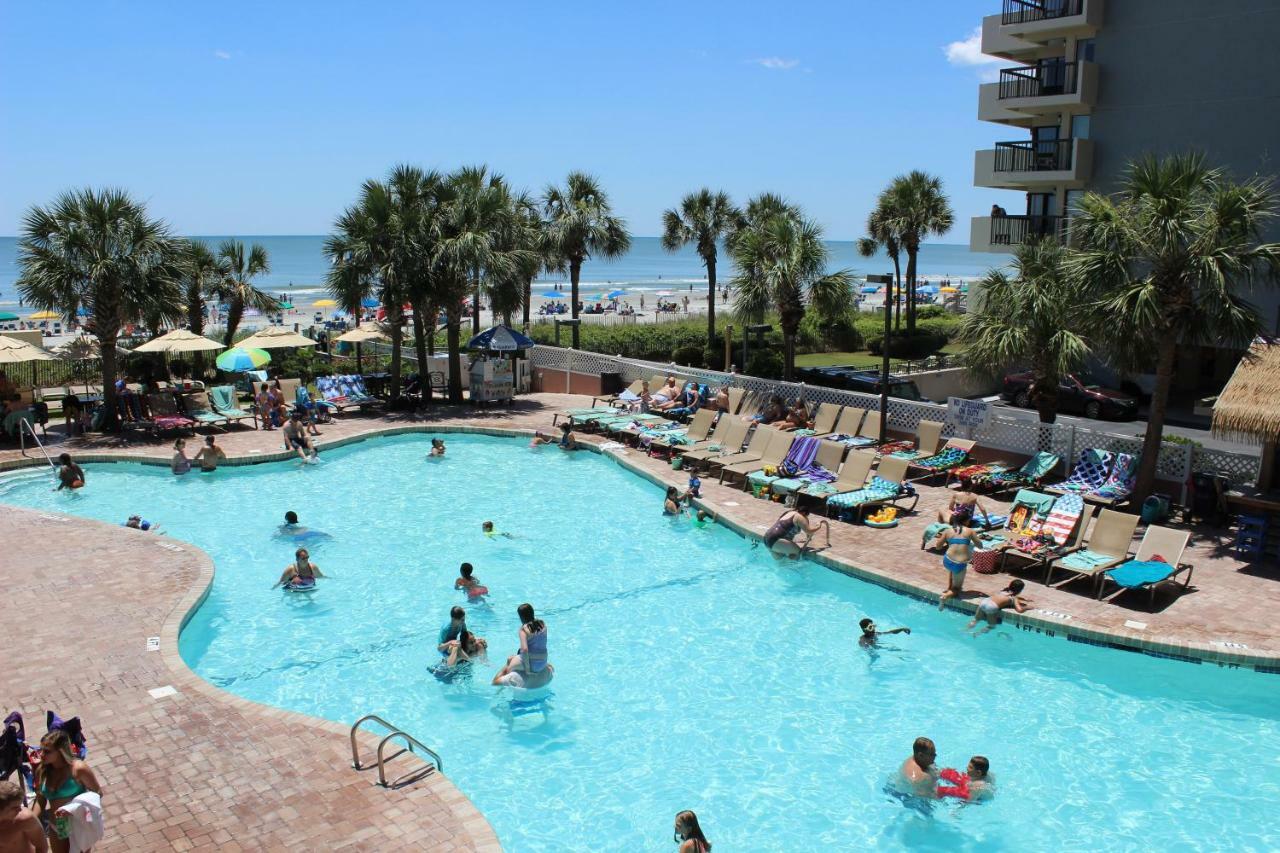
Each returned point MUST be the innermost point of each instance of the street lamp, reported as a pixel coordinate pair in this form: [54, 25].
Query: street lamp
[887, 281]
[760, 331]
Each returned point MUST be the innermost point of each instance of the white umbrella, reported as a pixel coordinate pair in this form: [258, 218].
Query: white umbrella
[179, 340]
[275, 337]
[362, 335]
[17, 351]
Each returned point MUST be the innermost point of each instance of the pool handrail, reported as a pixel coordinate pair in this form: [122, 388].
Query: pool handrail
[410, 742]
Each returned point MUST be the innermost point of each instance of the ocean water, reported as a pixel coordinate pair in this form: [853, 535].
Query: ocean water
[692, 669]
[298, 265]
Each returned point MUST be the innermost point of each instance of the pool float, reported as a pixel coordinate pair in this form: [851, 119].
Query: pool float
[301, 585]
[886, 517]
[477, 591]
[959, 787]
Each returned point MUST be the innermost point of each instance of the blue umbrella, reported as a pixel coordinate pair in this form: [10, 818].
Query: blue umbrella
[614, 294]
[500, 339]
[928, 288]
[870, 288]
[369, 303]
[553, 294]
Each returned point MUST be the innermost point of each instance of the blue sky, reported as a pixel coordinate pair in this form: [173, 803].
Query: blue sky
[263, 118]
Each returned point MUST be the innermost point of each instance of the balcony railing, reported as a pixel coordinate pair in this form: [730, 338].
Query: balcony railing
[1035, 81]
[1026, 11]
[1026, 156]
[1016, 230]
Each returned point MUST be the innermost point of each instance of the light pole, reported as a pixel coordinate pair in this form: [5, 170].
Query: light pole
[887, 281]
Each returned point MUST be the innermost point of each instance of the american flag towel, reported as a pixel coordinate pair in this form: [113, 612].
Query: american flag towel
[1063, 518]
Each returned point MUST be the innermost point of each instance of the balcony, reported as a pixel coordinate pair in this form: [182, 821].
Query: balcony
[1040, 21]
[1026, 164]
[1018, 12]
[1026, 91]
[1004, 233]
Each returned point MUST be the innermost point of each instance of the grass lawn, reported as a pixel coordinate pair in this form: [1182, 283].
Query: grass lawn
[862, 359]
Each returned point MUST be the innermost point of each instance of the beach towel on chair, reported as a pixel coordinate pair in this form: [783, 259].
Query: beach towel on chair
[1123, 476]
[879, 490]
[1137, 573]
[799, 458]
[1092, 467]
[950, 457]
[1064, 517]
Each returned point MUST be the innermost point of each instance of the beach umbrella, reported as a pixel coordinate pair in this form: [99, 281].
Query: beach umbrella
[553, 294]
[5, 315]
[239, 359]
[285, 306]
[928, 288]
[44, 315]
[870, 288]
[179, 340]
[369, 303]
[325, 303]
[500, 339]
[276, 337]
[948, 290]
[18, 351]
[616, 294]
[363, 334]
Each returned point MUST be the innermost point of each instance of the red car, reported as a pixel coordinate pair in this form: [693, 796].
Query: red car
[1077, 394]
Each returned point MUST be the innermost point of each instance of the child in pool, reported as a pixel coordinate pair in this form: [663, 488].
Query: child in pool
[137, 522]
[990, 609]
[487, 528]
[701, 518]
[974, 785]
[437, 447]
[467, 580]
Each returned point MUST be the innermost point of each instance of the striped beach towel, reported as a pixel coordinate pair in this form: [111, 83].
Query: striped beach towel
[1064, 517]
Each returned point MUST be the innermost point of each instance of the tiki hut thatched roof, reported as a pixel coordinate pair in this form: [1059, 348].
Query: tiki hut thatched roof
[1249, 407]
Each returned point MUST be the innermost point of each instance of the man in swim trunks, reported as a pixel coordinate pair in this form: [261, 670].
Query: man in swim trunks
[291, 529]
[295, 437]
[959, 541]
[209, 456]
[919, 774]
[20, 831]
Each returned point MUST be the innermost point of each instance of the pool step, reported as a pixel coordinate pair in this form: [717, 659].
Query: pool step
[20, 479]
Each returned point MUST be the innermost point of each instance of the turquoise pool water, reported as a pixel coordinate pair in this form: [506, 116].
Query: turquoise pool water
[694, 671]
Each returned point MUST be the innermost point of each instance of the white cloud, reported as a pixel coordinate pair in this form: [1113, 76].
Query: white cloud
[222, 54]
[969, 52]
[776, 63]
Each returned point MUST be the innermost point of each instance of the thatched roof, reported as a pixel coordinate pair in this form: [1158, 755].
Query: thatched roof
[1249, 407]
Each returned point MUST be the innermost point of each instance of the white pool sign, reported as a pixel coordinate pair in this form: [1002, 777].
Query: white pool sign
[969, 414]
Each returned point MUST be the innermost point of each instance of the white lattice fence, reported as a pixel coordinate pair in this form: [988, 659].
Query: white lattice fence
[1015, 435]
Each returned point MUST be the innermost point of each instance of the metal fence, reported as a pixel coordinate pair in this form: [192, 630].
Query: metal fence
[1016, 435]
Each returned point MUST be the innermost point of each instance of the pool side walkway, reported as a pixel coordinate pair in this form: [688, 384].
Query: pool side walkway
[202, 769]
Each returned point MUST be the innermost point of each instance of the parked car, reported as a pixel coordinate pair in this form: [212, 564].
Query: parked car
[1077, 394]
[864, 381]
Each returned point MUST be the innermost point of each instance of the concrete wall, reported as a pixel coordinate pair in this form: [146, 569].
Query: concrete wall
[1179, 75]
[938, 385]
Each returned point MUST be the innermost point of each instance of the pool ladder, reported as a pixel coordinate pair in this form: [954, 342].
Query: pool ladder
[382, 760]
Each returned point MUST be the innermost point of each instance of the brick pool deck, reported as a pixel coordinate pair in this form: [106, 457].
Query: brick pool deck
[202, 769]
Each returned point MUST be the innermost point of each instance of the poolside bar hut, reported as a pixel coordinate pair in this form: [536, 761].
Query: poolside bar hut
[1249, 408]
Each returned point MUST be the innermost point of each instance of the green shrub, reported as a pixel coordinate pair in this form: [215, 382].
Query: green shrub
[713, 357]
[923, 343]
[689, 355]
[764, 363]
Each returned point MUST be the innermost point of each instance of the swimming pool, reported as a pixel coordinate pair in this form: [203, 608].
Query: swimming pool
[694, 671]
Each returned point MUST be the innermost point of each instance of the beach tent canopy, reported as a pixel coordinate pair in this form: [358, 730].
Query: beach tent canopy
[179, 340]
[5, 316]
[615, 294]
[500, 339]
[870, 288]
[363, 334]
[369, 303]
[325, 303]
[15, 351]
[1249, 407]
[45, 315]
[239, 359]
[275, 337]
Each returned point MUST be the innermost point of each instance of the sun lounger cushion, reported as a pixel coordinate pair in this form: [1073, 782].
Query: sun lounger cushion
[950, 457]
[1138, 573]
[222, 397]
[1089, 473]
[1085, 560]
[879, 490]
[1120, 483]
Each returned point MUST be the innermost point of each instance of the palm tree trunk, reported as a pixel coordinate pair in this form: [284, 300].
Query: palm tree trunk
[911, 289]
[195, 319]
[431, 337]
[420, 349]
[528, 300]
[1044, 394]
[397, 344]
[897, 303]
[453, 337]
[1165, 353]
[235, 311]
[107, 350]
[475, 306]
[575, 273]
[711, 302]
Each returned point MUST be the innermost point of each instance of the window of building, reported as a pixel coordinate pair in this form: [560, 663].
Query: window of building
[1084, 50]
[1073, 201]
[1080, 127]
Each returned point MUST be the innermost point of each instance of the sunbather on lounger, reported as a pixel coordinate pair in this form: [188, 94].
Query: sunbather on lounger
[990, 609]
[797, 418]
[959, 540]
[780, 538]
[774, 412]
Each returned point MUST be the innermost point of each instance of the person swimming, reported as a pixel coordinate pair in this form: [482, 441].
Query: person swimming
[871, 635]
[457, 624]
[301, 573]
[437, 448]
[702, 517]
[991, 608]
[487, 529]
[974, 785]
[671, 503]
[291, 529]
[137, 522]
[461, 652]
[467, 580]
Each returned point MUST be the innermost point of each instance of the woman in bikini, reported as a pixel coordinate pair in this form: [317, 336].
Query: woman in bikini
[60, 778]
[689, 834]
[959, 540]
[962, 509]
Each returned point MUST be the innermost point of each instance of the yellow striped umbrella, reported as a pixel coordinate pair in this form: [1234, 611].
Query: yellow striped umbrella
[45, 315]
[325, 303]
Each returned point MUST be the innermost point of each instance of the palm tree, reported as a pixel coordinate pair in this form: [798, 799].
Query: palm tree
[882, 235]
[916, 207]
[200, 272]
[1032, 318]
[782, 263]
[98, 250]
[704, 219]
[1169, 257]
[365, 254]
[415, 194]
[236, 286]
[580, 225]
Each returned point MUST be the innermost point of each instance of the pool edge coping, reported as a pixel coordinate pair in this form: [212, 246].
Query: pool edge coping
[1134, 641]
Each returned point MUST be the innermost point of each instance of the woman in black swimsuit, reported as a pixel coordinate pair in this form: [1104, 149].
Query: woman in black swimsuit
[780, 538]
